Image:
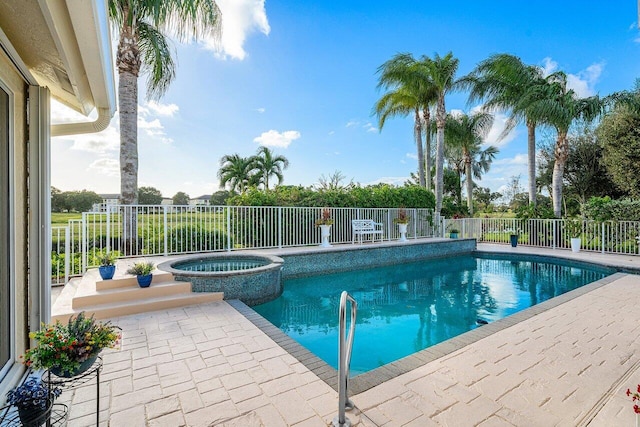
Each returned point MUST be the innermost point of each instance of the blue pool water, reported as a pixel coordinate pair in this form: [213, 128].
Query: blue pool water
[406, 308]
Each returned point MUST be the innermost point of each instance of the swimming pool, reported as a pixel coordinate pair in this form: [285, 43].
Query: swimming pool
[406, 308]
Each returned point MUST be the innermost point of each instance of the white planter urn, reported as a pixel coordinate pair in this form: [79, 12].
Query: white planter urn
[325, 232]
[575, 244]
[403, 232]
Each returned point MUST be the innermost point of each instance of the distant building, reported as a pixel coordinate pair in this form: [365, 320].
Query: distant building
[108, 200]
[203, 200]
[167, 201]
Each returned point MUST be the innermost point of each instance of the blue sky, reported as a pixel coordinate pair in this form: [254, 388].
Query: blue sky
[300, 77]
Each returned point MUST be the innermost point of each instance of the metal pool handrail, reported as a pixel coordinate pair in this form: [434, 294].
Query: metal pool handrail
[345, 345]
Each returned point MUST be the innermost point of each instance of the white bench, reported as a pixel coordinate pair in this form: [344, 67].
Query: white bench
[359, 227]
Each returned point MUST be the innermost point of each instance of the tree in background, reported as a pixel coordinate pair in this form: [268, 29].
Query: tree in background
[442, 74]
[619, 134]
[219, 198]
[505, 83]
[333, 182]
[484, 197]
[560, 107]
[466, 133]
[73, 201]
[236, 172]
[149, 196]
[267, 164]
[144, 46]
[181, 198]
[410, 90]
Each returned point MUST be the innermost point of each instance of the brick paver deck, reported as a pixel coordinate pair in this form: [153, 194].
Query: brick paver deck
[208, 365]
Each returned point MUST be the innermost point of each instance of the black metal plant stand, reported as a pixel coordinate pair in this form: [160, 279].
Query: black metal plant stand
[9, 416]
[74, 382]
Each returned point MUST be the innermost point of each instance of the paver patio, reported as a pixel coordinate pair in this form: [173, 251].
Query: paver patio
[208, 365]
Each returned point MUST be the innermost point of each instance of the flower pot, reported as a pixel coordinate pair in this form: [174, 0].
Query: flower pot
[575, 244]
[144, 281]
[325, 232]
[55, 370]
[403, 232]
[514, 240]
[107, 271]
[453, 235]
[34, 416]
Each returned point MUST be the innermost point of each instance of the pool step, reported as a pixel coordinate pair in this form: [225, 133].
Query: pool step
[122, 296]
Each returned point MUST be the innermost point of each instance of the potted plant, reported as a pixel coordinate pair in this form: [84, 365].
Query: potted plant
[453, 233]
[68, 350]
[33, 398]
[107, 266]
[513, 238]
[324, 222]
[573, 228]
[142, 271]
[402, 220]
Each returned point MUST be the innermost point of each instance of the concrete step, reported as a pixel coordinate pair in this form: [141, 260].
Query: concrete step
[117, 309]
[131, 281]
[86, 298]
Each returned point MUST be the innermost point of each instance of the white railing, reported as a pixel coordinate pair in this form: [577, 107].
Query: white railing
[615, 237]
[142, 230]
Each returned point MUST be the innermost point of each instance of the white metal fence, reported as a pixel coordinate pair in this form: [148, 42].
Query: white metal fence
[168, 230]
[131, 231]
[615, 237]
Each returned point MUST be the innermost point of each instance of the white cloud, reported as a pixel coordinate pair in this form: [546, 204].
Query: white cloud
[636, 40]
[493, 137]
[503, 169]
[369, 127]
[413, 156]
[583, 83]
[332, 132]
[261, 110]
[352, 123]
[108, 167]
[166, 110]
[273, 138]
[239, 19]
[393, 180]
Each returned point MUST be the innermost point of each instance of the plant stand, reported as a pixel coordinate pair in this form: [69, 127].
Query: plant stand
[325, 232]
[403, 232]
[9, 416]
[70, 383]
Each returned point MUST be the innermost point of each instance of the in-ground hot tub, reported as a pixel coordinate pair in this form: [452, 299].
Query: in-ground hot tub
[253, 279]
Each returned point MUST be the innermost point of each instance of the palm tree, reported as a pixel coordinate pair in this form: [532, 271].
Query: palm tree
[268, 165]
[466, 133]
[410, 91]
[237, 172]
[442, 74]
[559, 106]
[144, 46]
[502, 81]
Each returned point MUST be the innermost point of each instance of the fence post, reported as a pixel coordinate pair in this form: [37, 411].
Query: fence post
[553, 240]
[280, 227]
[67, 253]
[108, 228]
[602, 238]
[166, 231]
[415, 223]
[228, 228]
[85, 238]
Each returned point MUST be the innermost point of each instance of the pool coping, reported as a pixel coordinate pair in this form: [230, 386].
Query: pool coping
[370, 379]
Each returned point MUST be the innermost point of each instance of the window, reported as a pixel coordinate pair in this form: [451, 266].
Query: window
[6, 326]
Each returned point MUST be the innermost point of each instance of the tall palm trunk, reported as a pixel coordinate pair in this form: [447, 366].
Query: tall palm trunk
[417, 130]
[561, 153]
[531, 152]
[427, 127]
[441, 116]
[128, 62]
[468, 172]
